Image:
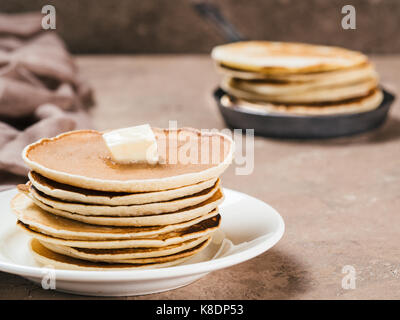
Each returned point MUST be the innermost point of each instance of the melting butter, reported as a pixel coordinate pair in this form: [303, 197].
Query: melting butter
[132, 145]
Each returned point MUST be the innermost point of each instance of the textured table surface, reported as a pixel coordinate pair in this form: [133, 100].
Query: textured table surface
[340, 198]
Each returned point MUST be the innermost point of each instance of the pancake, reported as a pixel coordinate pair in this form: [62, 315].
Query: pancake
[285, 57]
[46, 257]
[179, 216]
[138, 210]
[270, 88]
[132, 255]
[318, 95]
[47, 223]
[347, 75]
[363, 104]
[81, 159]
[201, 229]
[75, 194]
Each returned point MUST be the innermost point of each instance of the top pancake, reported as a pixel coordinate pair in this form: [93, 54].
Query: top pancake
[285, 58]
[81, 159]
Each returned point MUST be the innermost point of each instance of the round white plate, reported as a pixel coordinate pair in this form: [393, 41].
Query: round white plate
[249, 227]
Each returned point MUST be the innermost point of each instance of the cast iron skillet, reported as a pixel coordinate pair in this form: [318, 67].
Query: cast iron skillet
[304, 127]
[285, 126]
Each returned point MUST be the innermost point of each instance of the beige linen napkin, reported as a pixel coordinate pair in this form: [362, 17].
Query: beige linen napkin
[41, 93]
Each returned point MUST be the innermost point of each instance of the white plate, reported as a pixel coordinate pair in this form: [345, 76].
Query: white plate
[249, 228]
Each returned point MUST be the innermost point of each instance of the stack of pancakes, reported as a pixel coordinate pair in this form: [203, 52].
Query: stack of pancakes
[85, 211]
[295, 78]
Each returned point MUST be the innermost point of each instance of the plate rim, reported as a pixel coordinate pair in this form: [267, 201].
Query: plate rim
[153, 274]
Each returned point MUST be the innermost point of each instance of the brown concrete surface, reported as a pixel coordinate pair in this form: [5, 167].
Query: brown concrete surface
[164, 26]
[340, 198]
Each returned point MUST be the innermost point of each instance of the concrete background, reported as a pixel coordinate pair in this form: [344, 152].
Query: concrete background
[172, 26]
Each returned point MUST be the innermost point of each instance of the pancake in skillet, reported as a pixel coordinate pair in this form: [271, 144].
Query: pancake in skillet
[363, 104]
[285, 57]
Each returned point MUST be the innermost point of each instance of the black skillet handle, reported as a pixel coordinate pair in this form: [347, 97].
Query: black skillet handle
[212, 13]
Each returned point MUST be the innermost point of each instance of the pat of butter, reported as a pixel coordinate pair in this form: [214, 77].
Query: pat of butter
[133, 144]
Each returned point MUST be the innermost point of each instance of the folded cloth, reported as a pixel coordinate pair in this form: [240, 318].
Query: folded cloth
[41, 93]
